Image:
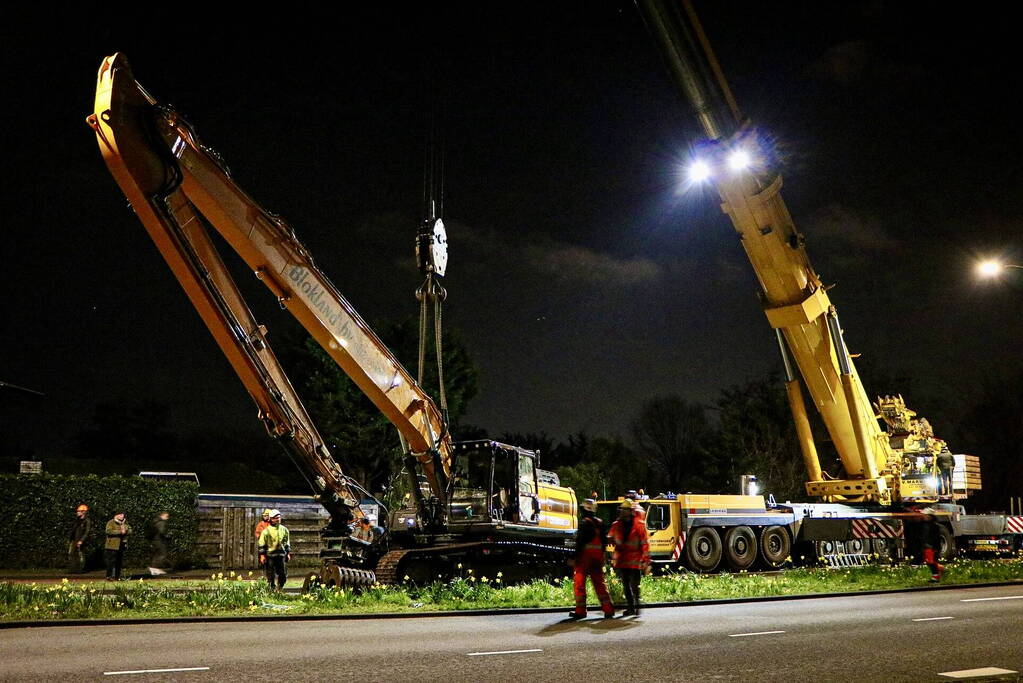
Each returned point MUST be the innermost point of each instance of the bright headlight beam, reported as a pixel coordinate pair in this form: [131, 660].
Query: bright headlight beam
[699, 171]
[739, 160]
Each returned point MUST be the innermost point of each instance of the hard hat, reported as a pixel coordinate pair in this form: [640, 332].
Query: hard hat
[590, 505]
[266, 511]
[626, 505]
[82, 508]
[275, 513]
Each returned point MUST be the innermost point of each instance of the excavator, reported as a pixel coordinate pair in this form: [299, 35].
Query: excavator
[475, 504]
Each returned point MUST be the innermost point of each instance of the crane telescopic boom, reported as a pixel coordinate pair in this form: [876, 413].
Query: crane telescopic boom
[794, 298]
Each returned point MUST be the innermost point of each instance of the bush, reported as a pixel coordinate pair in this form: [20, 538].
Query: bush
[41, 509]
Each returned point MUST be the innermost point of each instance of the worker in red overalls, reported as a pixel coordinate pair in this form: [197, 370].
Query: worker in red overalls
[632, 552]
[589, 562]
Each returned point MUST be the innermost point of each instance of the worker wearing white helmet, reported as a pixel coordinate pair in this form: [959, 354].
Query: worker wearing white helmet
[275, 551]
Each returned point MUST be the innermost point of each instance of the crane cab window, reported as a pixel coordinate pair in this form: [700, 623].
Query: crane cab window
[658, 517]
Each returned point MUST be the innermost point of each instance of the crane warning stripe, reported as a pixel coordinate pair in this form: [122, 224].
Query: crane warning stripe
[1014, 524]
[872, 528]
[677, 552]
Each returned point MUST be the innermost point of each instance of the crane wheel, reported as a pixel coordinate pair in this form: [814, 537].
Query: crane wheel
[703, 549]
[884, 550]
[775, 546]
[947, 547]
[855, 546]
[740, 548]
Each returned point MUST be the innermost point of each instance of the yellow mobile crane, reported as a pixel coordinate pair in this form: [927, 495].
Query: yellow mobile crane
[873, 508]
[482, 503]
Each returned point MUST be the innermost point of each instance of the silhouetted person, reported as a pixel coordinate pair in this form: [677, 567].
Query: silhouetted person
[158, 540]
[80, 528]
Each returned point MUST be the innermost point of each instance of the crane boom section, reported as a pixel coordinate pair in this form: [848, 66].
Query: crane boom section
[169, 177]
[794, 298]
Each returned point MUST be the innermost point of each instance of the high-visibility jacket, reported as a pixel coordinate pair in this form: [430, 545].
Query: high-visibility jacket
[632, 552]
[275, 540]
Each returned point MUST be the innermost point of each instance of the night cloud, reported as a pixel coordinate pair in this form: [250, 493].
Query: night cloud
[842, 227]
[586, 265]
[567, 262]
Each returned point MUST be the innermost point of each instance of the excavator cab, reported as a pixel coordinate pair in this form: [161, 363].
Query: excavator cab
[495, 483]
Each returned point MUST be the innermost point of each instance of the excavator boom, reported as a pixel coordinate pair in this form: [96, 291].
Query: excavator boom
[176, 185]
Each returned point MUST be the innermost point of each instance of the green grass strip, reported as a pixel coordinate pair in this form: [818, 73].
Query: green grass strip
[234, 594]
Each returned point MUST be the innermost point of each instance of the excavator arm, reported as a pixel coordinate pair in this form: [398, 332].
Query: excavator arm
[176, 185]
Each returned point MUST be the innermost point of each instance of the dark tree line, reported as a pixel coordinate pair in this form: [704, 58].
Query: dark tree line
[672, 444]
[678, 446]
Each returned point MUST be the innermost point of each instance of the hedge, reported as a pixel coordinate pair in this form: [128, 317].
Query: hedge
[40, 509]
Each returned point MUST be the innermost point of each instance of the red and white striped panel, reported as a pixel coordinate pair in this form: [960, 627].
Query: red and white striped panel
[872, 528]
[1014, 524]
[676, 554]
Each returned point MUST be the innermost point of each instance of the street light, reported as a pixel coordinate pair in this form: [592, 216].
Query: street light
[992, 268]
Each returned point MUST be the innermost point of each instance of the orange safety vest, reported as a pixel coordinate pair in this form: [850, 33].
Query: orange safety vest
[259, 528]
[634, 551]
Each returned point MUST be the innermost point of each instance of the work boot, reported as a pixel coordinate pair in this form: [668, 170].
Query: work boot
[629, 612]
[609, 615]
[575, 616]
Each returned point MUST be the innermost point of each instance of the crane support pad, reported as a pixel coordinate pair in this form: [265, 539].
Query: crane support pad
[802, 313]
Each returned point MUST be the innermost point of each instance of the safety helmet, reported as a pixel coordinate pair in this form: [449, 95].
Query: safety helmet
[626, 504]
[275, 513]
[266, 512]
[82, 508]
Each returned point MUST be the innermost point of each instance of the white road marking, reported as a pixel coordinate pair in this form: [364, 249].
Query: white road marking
[758, 633]
[934, 618]
[1006, 597]
[155, 671]
[971, 673]
[502, 652]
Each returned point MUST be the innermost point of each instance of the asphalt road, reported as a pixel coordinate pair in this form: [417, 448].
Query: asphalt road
[896, 637]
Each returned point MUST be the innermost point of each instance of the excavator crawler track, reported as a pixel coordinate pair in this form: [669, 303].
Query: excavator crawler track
[516, 558]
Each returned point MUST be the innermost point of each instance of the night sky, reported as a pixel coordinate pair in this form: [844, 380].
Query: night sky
[581, 277]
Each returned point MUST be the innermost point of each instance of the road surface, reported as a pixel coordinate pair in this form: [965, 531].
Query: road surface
[897, 637]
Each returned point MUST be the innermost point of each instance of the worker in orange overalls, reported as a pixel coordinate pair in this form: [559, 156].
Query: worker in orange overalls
[263, 523]
[589, 562]
[632, 552]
